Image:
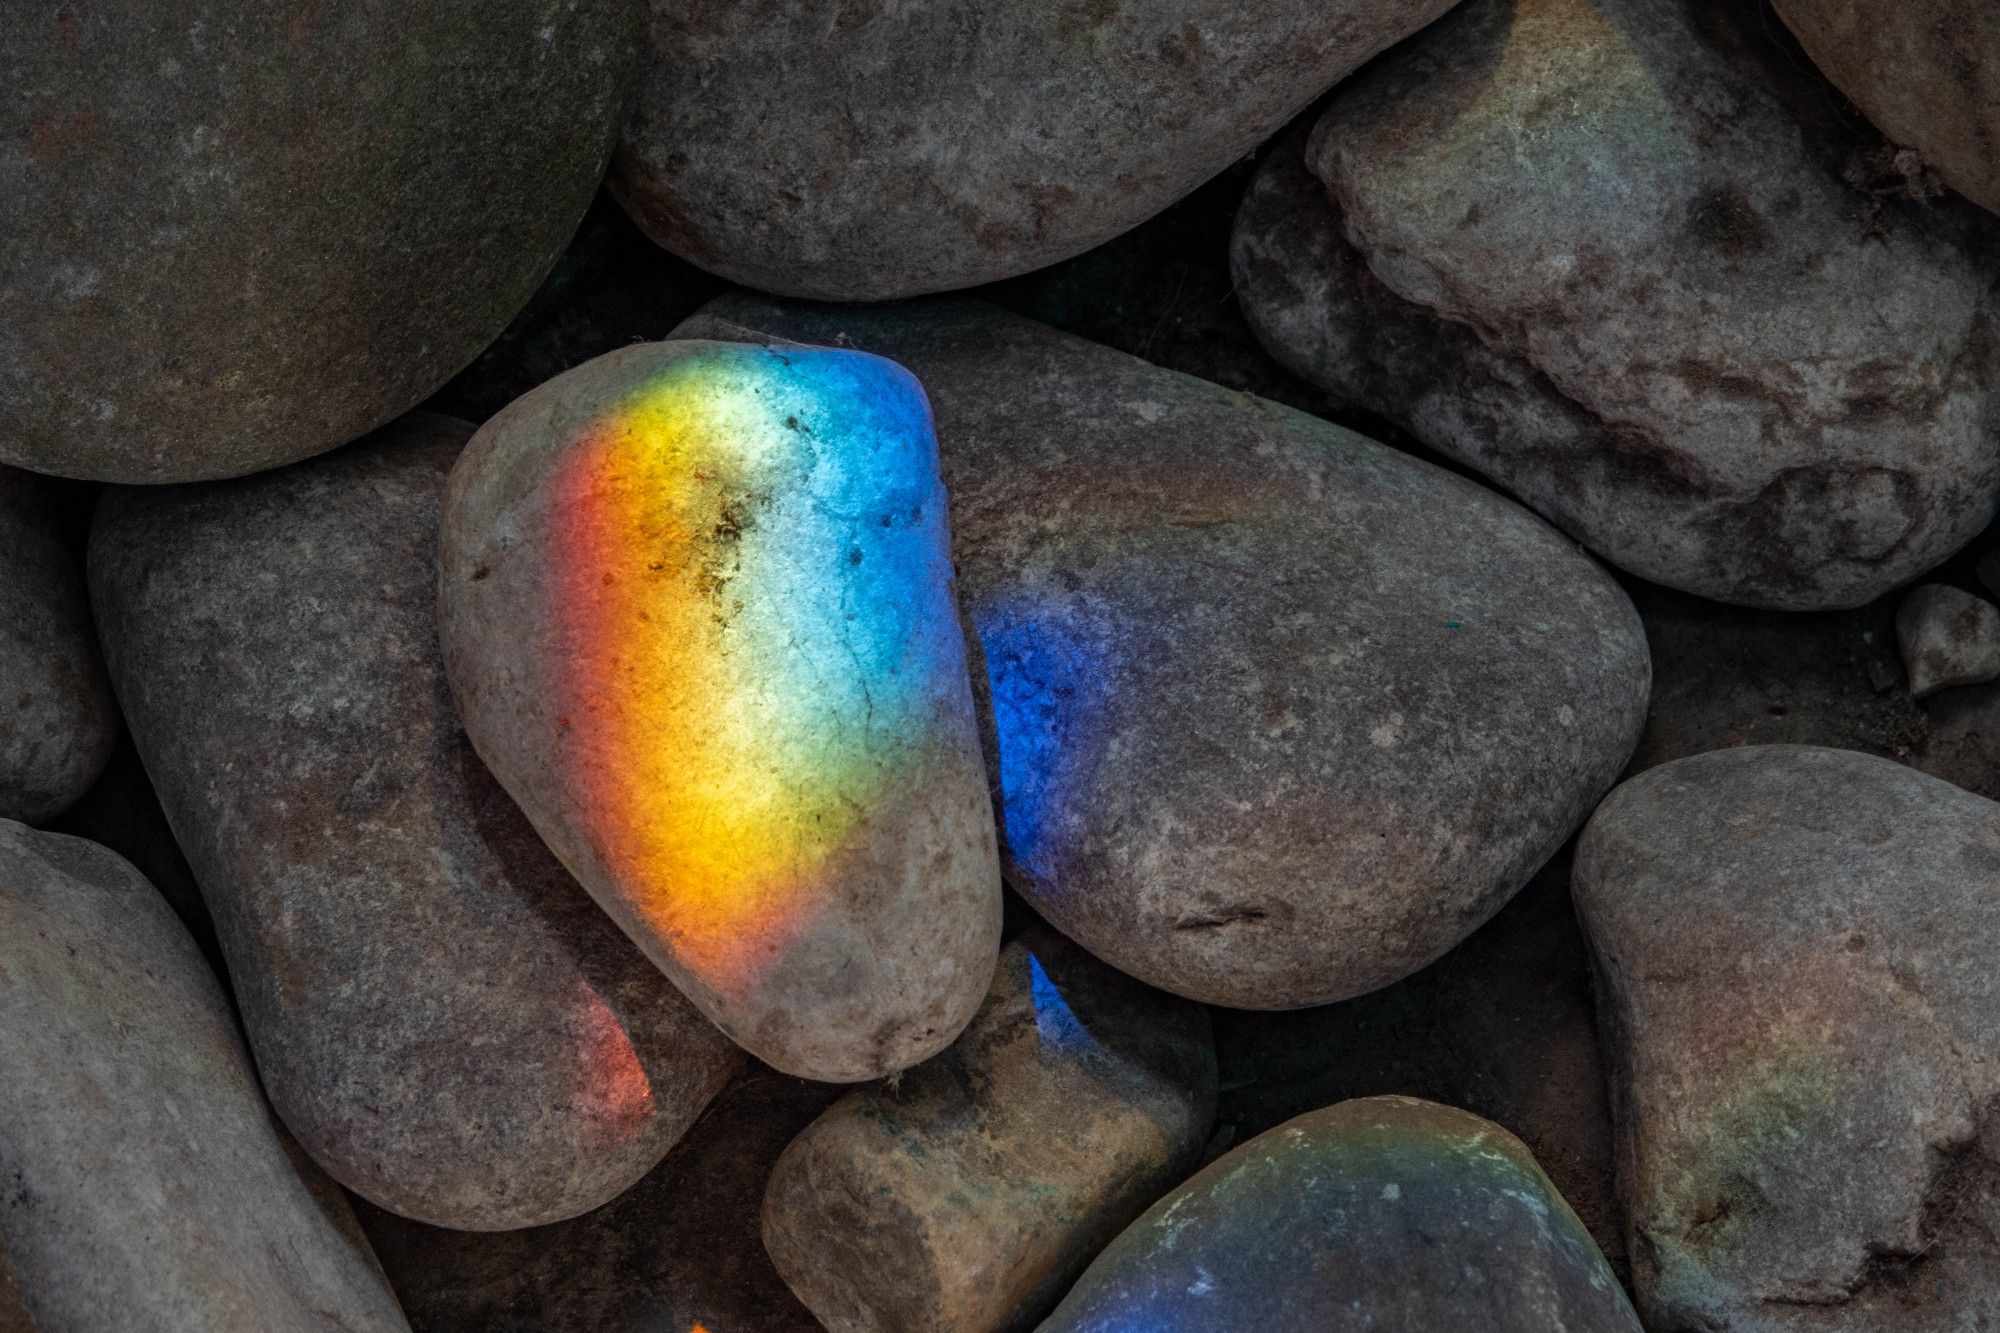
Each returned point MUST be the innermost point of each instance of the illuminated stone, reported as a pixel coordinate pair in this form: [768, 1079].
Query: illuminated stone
[698, 615]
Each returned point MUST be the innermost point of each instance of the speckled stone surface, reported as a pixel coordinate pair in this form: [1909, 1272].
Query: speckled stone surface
[1607, 253]
[1794, 950]
[145, 1185]
[967, 1196]
[677, 1251]
[234, 237]
[1279, 714]
[58, 721]
[1382, 1213]
[440, 1014]
[1926, 71]
[1948, 638]
[883, 150]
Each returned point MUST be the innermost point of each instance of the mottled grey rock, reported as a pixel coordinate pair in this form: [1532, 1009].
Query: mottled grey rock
[1603, 251]
[1926, 71]
[57, 718]
[697, 611]
[1502, 1026]
[676, 1252]
[1382, 1213]
[142, 1183]
[886, 150]
[1794, 950]
[233, 238]
[1948, 637]
[442, 1017]
[1279, 715]
[966, 1197]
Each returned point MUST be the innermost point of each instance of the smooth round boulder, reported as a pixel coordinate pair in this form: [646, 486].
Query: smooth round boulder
[145, 1185]
[697, 609]
[967, 1196]
[1277, 714]
[1381, 1213]
[1794, 950]
[1606, 253]
[1926, 71]
[889, 150]
[440, 1014]
[58, 721]
[234, 238]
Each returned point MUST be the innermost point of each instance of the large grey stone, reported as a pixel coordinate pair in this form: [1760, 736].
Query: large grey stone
[442, 1017]
[676, 1252]
[1794, 949]
[1279, 715]
[1382, 1213]
[235, 237]
[1603, 251]
[1926, 71]
[145, 1185]
[968, 1195]
[883, 150]
[58, 722]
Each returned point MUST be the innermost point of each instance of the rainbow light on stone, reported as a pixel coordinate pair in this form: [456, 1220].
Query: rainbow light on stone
[755, 613]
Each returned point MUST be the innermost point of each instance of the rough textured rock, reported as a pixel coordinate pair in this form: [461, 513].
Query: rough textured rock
[969, 1195]
[697, 609]
[1387, 1212]
[886, 150]
[1794, 948]
[57, 718]
[1602, 251]
[1275, 720]
[1948, 637]
[145, 1185]
[678, 1251]
[442, 1017]
[233, 240]
[1502, 1026]
[1926, 71]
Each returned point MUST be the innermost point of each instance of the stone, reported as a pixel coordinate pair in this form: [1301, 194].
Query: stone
[1603, 252]
[58, 721]
[1926, 71]
[697, 611]
[234, 241]
[1386, 1212]
[1503, 1026]
[144, 1183]
[968, 1195]
[1948, 637]
[442, 1017]
[676, 1252]
[1794, 953]
[1278, 715]
[891, 150]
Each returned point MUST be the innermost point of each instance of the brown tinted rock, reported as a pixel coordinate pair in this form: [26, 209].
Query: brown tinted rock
[677, 1251]
[1276, 721]
[1926, 71]
[1603, 251]
[889, 150]
[57, 718]
[232, 239]
[1794, 948]
[439, 1013]
[1383, 1213]
[697, 608]
[145, 1185]
[1948, 638]
[967, 1196]
[1502, 1026]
